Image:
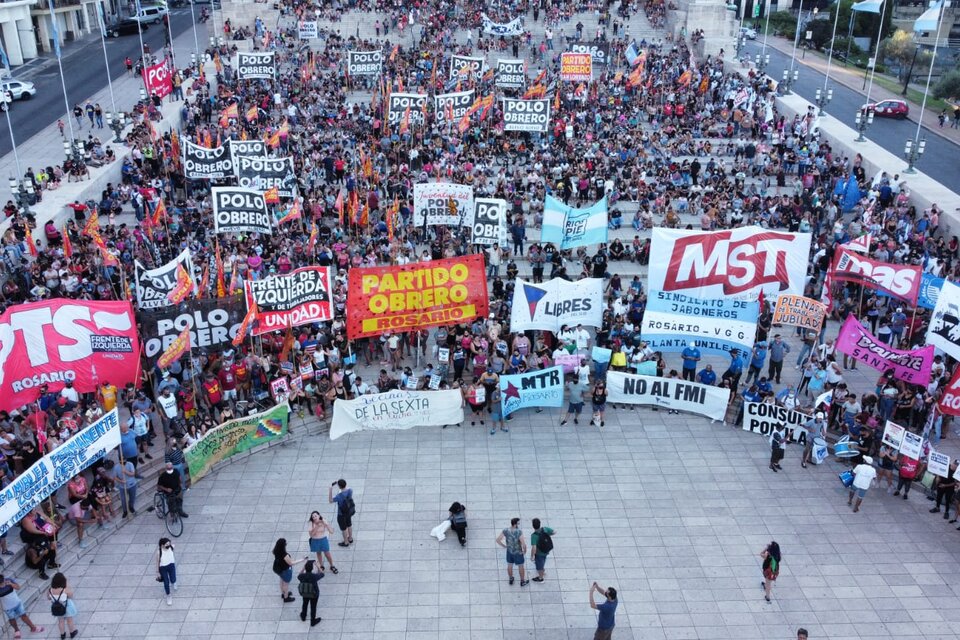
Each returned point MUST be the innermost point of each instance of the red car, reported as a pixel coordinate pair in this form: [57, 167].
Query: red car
[889, 109]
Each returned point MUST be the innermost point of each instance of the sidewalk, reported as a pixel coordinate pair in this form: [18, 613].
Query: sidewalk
[852, 78]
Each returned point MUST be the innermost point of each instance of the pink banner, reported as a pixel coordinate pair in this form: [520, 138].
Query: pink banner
[911, 366]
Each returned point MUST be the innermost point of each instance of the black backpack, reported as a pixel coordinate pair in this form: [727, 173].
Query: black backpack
[349, 506]
[544, 542]
[308, 589]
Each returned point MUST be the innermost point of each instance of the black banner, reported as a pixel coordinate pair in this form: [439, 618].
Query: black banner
[474, 66]
[599, 51]
[200, 163]
[364, 63]
[526, 115]
[213, 322]
[248, 148]
[511, 74]
[300, 297]
[265, 173]
[460, 102]
[490, 221]
[237, 210]
[256, 65]
[399, 102]
[152, 285]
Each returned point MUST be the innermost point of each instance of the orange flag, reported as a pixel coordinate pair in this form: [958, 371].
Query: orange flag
[312, 241]
[221, 283]
[176, 350]
[67, 245]
[31, 245]
[159, 213]
[93, 223]
[182, 288]
[338, 205]
[245, 325]
[252, 113]
[272, 195]
[204, 282]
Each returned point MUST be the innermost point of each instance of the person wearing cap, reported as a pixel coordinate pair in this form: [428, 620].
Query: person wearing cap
[107, 395]
[863, 475]
[898, 321]
[816, 427]
[691, 356]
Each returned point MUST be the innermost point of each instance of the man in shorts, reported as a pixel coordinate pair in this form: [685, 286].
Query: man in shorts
[344, 500]
[863, 475]
[576, 389]
[512, 540]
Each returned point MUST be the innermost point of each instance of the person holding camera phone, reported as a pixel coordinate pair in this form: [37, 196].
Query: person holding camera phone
[166, 567]
[346, 508]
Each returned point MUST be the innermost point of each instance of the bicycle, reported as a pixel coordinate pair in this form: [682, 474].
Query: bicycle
[171, 518]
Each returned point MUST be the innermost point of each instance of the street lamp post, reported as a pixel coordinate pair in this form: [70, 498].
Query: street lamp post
[22, 191]
[864, 120]
[913, 150]
[788, 80]
[823, 98]
[116, 122]
[762, 60]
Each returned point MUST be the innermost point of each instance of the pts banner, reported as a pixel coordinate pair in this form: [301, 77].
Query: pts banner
[415, 296]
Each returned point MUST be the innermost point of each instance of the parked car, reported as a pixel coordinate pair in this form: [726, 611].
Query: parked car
[888, 109]
[19, 89]
[750, 34]
[125, 27]
[153, 14]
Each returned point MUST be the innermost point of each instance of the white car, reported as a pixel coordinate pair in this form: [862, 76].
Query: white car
[153, 14]
[19, 89]
[749, 34]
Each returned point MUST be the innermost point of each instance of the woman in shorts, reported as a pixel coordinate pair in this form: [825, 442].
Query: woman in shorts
[496, 412]
[599, 402]
[319, 542]
[475, 396]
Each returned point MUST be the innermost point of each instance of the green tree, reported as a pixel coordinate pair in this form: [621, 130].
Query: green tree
[948, 87]
[902, 50]
[864, 24]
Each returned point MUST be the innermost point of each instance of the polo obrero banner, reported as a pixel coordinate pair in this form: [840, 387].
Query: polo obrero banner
[415, 296]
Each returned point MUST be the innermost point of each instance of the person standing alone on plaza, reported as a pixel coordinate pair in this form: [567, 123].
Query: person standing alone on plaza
[319, 541]
[606, 611]
[771, 568]
[512, 540]
[166, 567]
[863, 475]
[346, 508]
[541, 544]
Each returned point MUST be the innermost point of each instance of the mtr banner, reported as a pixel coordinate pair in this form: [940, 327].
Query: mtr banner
[415, 296]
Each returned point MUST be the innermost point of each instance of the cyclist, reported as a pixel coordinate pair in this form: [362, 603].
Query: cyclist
[171, 486]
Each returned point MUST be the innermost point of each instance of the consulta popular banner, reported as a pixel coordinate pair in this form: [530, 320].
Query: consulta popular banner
[669, 393]
[235, 436]
[53, 341]
[798, 311]
[396, 410]
[302, 296]
[415, 296]
[764, 418]
[911, 366]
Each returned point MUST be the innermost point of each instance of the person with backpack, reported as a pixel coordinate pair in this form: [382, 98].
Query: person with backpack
[458, 521]
[541, 544]
[309, 590]
[61, 605]
[346, 508]
[771, 568]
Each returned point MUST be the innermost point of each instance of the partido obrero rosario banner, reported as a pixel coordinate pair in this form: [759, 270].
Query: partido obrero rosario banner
[416, 295]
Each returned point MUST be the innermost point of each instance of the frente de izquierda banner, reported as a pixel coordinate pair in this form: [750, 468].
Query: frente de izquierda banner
[415, 296]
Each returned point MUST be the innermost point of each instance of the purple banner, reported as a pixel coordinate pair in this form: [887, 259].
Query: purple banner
[858, 343]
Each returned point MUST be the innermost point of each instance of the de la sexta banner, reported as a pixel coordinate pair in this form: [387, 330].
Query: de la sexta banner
[235, 436]
[53, 470]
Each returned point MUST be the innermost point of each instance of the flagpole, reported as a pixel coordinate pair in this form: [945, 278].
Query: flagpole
[106, 60]
[63, 84]
[193, 21]
[143, 55]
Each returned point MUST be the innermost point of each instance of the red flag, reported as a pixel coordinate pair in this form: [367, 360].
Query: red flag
[293, 213]
[93, 223]
[312, 241]
[159, 213]
[31, 245]
[176, 349]
[67, 245]
[272, 195]
[182, 288]
[252, 113]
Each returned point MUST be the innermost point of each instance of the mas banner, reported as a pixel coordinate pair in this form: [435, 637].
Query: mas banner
[416, 295]
[237, 210]
[233, 437]
[798, 311]
[200, 163]
[944, 329]
[256, 64]
[396, 410]
[442, 203]
[308, 29]
[911, 366]
[765, 418]
[598, 50]
[511, 74]
[526, 115]
[455, 104]
[930, 287]
[738, 262]
[53, 341]
[512, 28]
[490, 221]
[702, 399]
[364, 63]
[899, 280]
[247, 149]
[466, 66]
[153, 285]
[576, 67]
[158, 80]
[55, 469]
[555, 303]
[535, 389]
[213, 324]
[400, 102]
[717, 326]
[567, 227]
[262, 174]
[302, 296]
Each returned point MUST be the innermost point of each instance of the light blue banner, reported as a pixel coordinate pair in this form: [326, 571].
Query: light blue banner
[930, 287]
[568, 227]
[671, 320]
[601, 355]
[536, 389]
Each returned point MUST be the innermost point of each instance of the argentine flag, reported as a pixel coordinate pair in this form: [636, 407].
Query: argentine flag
[868, 6]
[568, 227]
[929, 19]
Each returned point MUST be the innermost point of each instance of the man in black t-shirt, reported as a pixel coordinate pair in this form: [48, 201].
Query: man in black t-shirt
[170, 485]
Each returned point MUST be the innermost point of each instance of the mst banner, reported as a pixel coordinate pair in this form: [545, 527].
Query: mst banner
[535, 389]
[262, 174]
[153, 285]
[576, 67]
[568, 227]
[764, 418]
[490, 221]
[200, 163]
[911, 366]
[364, 63]
[247, 149]
[898, 280]
[526, 115]
[511, 74]
[432, 200]
[455, 104]
[158, 80]
[738, 262]
[944, 329]
[55, 469]
[302, 296]
[237, 210]
[213, 324]
[400, 102]
[416, 295]
[235, 436]
[258, 64]
[702, 399]
[53, 341]
[555, 303]
[396, 410]
[466, 66]
[798, 311]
